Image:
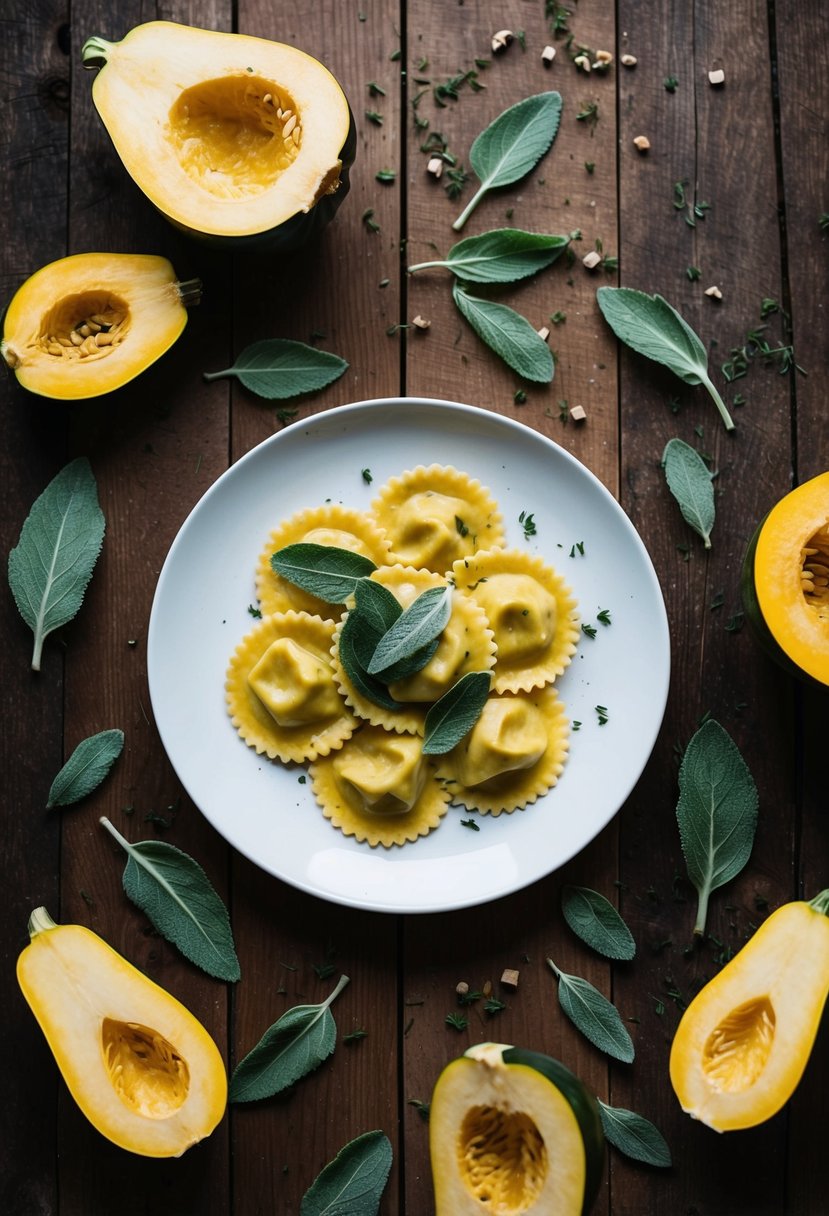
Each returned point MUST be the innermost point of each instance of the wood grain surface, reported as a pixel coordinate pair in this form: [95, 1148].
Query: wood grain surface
[752, 154]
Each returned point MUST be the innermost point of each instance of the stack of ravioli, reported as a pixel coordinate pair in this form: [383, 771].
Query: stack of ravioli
[289, 695]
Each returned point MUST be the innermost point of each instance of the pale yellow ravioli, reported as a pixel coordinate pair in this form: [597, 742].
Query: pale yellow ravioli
[380, 788]
[280, 688]
[434, 516]
[531, 612]
[514, 753]
[331, 524]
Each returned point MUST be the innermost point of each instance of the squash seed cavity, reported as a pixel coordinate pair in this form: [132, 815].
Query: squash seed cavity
[236, 135]
[814, 572]
[503, 1159]
[738, 1048]
[84, 326]
[146, 1071]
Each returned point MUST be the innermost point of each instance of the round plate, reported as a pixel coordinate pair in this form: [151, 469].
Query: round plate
[200, 613]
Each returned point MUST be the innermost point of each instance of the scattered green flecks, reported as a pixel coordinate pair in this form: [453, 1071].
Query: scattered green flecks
[471, 824]
[369, 221]
[458, 1021]
[373, 117]
[527, 521]
[602, 715]
[366, 476]
[671, 84]
[693, 273]
[255, 612]
[386, 176]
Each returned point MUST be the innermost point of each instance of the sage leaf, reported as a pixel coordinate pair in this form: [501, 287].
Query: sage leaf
[326, 571]
[423, 621]
[594, 1015]
[507, 333]
[594, 919]
[653, 328]
[278, 368]
[716, 812]
[503, 255]
[689, 480]
[176, 894]
[353, 1183]
[512, 145]
[377, 606]
[86, 768]
[295, 1045]
[634, 1135]
[59, 543]
[349, 649]
[455, 713]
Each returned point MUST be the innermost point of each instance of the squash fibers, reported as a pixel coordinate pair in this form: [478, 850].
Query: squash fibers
[142, 1069]
[745, 1039]
[240, 140]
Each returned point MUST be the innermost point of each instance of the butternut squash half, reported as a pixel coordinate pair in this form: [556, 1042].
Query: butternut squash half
[786, 580]
[512, 1132]
[745, 1039]
[87, 324]
[236, 139]
[142, 1069]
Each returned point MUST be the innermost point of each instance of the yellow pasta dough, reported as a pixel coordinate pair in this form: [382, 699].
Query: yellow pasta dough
[280, 688]
[434, 516]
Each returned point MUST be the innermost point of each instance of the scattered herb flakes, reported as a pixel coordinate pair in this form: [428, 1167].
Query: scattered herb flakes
[470, 823]
[373, 117]
[590, 166]
[693, 273]
[422, 1108]
[589, 114]
[602, 715]
[671, 84]
[603, 616]
[386, 176]
[527, 521]
[366, 476]
[558, 317]
[735, 622]
[492, 1005]
[589, 630]
[519, 397]
[354, 1036]
[374, 89]
[369, 220]
[458, 1021]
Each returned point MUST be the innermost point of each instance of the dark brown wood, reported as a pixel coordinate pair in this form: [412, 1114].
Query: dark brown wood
[754, 150]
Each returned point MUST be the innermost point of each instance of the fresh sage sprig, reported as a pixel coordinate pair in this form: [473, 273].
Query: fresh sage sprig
[326, 571]
[653, 328]
[503, 255]
[512, 145]
[508, 333]
[278, 368]
[455, 713]
[594, 919]
[594, 1015]
[50, 568]
[86, 768]
[634, 1135]
[689, 480]
[293, 1046]
[716, 812]
[175, 893]
[353, 1183]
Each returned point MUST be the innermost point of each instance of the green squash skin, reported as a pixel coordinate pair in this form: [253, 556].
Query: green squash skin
[584, 1107]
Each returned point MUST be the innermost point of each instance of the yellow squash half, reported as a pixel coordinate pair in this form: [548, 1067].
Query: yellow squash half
[786, 580]
[142, 1069]
[88, 324]
[237, 139]
[745, 1039]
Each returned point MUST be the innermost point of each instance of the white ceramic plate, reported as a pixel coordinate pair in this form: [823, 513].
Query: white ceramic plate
[200, 612]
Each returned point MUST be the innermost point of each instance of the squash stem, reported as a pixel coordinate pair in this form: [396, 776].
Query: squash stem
[95, 51]
[40, 922]
[820, 903]
[189, 292]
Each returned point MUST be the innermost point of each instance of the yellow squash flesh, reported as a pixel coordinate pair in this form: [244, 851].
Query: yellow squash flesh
[142, 1069]
[744, 1041]
[229, 136]
[88, 324]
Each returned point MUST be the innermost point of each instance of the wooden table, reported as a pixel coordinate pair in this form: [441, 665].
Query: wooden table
[751, 155]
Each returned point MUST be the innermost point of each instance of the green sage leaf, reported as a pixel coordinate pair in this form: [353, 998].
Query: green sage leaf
[326, 571]
[377, 606]
[653, 328]
[86, 768]
[594, 1015]
[595, 920]
[716, 812]
[295, 1045]
[507, 333]
[423, 621]
[177, 896]
[689, 480]
[350, 648]
[503, 255]
[512, 145]
[59, 543]
[634, 1135]
[278, 368]
[353, 1183]
[455, 713]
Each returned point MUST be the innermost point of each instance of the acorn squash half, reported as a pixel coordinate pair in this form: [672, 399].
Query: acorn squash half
[240, 140]
[513, 1131]
[140, 1066]
[87, 324]
[786, 580]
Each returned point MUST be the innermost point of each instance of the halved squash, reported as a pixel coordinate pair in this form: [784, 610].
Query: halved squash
[87, 324]
[140, 1066]
[745, 1039]
[511, 1132]
[786, 580]
[237, 139]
